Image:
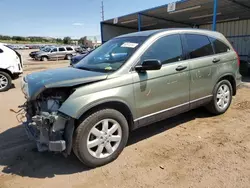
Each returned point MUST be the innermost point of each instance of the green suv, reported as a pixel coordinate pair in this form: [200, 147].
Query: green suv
[130, 81]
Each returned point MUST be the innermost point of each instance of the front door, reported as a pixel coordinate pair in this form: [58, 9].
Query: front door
[53, 54]
[162, 93]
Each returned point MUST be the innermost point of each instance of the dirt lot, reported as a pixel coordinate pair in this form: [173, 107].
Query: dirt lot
[191, 150]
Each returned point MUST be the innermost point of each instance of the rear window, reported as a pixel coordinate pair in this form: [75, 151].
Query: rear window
[219, 47]
[198, 46]
[1, 51]
[69, 48]
[62, 49]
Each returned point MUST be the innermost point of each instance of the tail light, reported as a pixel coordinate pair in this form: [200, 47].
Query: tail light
[238, 57]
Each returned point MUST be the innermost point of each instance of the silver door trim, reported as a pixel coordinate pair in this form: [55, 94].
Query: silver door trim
[168, 109]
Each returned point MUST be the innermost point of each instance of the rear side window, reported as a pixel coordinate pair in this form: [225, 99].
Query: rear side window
[1, 51]
[167, 49]
[62, 49]
[198, 46]
[69, 48]
[219, 47]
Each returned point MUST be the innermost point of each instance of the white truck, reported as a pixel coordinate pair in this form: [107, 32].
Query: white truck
[11, 66]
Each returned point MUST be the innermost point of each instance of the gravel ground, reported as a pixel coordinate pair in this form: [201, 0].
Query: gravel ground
[190, 150]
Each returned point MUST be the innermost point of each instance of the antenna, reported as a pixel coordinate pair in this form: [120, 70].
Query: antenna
[102, 11]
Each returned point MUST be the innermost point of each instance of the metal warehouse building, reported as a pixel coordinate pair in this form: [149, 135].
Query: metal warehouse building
[230, 17]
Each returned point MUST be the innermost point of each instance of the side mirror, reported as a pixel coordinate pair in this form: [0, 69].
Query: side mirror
[150, 64]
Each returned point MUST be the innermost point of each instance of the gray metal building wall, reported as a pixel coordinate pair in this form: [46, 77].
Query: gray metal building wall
[111, 31]
[238, 33]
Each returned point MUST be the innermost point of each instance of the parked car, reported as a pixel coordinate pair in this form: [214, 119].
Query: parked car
[92, 107]
[11, 66]
[42, 49]
[56, 53]
[75, 59]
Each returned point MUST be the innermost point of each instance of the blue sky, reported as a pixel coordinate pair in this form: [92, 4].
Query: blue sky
[59, 18]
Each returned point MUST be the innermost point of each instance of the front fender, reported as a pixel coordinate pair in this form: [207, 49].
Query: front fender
[75, 107]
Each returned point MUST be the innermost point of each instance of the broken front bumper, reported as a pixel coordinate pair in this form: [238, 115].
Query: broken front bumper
[51, 131]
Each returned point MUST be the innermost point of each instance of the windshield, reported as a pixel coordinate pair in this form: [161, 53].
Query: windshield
[46, 49]
[111, 55]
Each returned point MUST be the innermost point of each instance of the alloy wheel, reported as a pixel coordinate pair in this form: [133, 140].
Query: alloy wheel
[3, 81]
[223, 96]
[104, 138]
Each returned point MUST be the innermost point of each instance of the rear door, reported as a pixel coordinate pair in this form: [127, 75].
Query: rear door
[202, 67]
[162, 93]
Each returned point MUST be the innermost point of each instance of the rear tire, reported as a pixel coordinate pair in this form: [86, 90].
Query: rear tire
[222, 98]
[101, 137]
[5, 81]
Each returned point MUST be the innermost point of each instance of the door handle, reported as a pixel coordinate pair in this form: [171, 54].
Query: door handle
[180, 68]
[216, 60]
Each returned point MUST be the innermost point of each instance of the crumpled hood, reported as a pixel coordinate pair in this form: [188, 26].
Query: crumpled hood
[61, 77]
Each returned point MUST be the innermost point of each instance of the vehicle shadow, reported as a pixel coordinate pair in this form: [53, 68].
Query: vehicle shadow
[18, 155]
[159, 127]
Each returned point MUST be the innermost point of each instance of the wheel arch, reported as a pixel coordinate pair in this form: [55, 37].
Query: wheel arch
[231, 79]
[8, 72]
[118, 105]
[44, 56]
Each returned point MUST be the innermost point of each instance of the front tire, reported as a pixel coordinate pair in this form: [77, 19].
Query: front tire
[222, 98]
[101, 137]
[5, 81]
[44, 58]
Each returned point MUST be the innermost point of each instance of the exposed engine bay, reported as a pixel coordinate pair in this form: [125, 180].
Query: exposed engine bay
[51, 129]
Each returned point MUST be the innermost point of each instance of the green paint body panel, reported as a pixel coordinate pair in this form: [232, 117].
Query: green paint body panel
[151, 93]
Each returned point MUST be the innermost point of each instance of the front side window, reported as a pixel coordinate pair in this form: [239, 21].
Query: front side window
[167, 49]
[62, 49]
[219, 47]
[1, 51]
[198, 46]
[112, 55]
[54, 50]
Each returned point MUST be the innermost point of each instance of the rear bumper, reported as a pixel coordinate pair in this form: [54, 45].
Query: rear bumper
[238, 81]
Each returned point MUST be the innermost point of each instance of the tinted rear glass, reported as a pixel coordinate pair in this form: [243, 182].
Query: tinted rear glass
[69, 48]
[198, 46]
[62, 49]
[219, 47]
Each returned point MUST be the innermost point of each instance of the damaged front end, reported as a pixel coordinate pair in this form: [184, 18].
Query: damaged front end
[52, 130]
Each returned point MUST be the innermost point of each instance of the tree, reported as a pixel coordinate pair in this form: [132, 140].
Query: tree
[4, 37]
[83, 41]
[66, 40]
[19, 38]
[59, 40]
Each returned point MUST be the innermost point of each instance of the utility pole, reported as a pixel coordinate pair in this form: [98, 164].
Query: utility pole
[102, 11]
